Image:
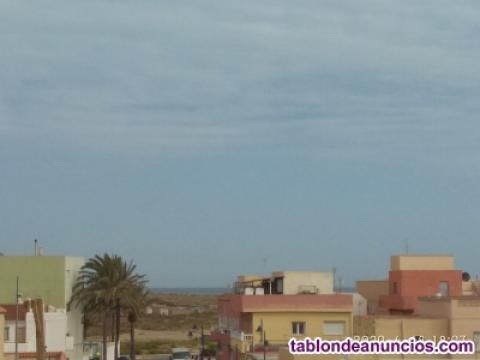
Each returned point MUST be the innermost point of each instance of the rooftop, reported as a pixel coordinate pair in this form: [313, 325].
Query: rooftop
[11, 312]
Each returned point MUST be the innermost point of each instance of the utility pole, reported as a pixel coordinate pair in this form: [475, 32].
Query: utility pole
[16, 322]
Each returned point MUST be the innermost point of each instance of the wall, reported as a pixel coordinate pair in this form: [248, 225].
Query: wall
[40, 277]
[437, 308]
[392, 327]
[294, 280]
[74, 316]
[2, 325]
[421, 262]
[278, 326]
[372, 290]
[425, 283]
[50, 278]
[463, 314]
[359, 305]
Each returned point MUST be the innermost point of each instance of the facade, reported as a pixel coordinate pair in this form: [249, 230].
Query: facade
[462, 314]
[50, 278]
[2, 329]
[413, 276]
[372, 290]
[265, 312]
[55, 322]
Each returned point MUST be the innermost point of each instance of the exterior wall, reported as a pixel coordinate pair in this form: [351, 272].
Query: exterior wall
[411, 284]
[2, 325]
[40, 277]
[372, 290]
[240, 316]
[278, 326]
[435, 308]
[74, 316]
[55, 330]
[421, 262]
[359, 305]
[284, 354]
[295, 281]
[463, 314]
[50, 278]
[425, 282]
[393, 327]
[471, 288]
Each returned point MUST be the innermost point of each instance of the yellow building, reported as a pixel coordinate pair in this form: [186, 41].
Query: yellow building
[264, 313]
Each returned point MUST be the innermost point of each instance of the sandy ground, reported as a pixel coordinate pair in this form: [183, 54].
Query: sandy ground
[146, 335]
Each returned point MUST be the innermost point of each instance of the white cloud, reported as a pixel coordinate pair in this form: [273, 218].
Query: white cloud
[150, 77]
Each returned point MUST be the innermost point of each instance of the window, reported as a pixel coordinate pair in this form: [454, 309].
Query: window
[334, 328]
[443, 288]
[6, 334]
[298, 328]
[394, 288]
[279, 285]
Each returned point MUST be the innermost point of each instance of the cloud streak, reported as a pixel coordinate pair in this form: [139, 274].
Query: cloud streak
[156, 77]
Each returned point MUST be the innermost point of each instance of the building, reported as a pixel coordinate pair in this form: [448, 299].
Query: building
[410, 277]
[372, 290]
[55, 322]
[50, 278]
[159, 309]
[461, 312]
[264, 312]
[2, 329]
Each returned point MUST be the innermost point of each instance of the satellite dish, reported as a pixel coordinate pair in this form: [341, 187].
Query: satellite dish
[465, 276]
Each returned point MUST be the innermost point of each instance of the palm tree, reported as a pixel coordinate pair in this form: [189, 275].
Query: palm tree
[135, 306]
[103, 282]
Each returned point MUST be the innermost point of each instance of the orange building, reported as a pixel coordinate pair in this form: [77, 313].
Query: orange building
[414, 276]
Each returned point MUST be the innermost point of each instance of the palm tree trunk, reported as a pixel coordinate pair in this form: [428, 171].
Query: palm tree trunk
[105, 320]
[117, 328]
[112, 326]
[132, 341]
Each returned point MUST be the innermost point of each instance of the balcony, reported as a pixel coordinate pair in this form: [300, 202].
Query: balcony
[275, 303]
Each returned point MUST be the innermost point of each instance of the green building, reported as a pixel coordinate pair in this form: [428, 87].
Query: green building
[50, 278]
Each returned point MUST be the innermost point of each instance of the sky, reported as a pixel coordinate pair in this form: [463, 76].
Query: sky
[206, 139]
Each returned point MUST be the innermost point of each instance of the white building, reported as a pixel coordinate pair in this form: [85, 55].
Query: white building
[50, 278]
[55, 323]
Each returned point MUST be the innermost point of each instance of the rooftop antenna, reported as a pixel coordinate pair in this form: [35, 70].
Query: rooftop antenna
[334, 271]
[36, 244]
[340, 284]
[264, 260]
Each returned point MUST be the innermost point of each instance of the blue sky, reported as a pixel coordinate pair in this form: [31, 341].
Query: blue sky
[198, 138]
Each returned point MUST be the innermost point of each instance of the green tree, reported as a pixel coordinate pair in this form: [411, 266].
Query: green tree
[104, 282]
